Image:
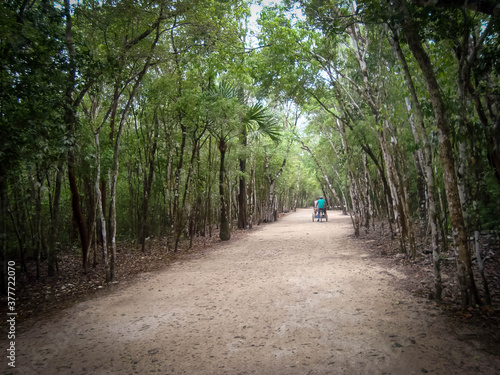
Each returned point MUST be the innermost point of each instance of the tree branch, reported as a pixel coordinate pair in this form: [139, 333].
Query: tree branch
[153, 27]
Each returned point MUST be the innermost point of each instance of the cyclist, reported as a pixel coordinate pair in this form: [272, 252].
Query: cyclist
[321, 206]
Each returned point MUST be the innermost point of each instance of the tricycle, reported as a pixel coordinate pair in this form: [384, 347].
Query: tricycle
[319, 214]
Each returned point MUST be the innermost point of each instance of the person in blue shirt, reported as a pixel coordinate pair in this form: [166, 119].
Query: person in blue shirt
[321, 206]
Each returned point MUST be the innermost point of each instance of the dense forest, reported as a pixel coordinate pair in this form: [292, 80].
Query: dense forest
[132, 120]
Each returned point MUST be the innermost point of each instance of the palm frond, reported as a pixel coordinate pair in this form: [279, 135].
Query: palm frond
[258, 119]
[227, 90]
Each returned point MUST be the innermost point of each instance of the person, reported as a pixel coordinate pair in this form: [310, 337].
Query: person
[321, 203]
[316, 207]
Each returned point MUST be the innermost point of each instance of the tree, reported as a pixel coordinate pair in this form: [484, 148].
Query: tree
[484, 6]
[32, 139]
[231, 111]
[464, 264]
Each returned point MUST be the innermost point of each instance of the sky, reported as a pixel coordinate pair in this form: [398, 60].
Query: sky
[255, 9]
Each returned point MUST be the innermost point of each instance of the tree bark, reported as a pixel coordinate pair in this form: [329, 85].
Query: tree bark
[225, 232]
[297, 190]
[369, 209]
[272, 211]
[391, 152]
[464, 264]
[101, 207]
[77, 210]
[344, 200]
[52, 256]
[177, 214]
[147, 184]
[425, 159]
[115, 165]
[252, 193]
[69, 117]
[242, 196]
[373, 98]
[354, 211]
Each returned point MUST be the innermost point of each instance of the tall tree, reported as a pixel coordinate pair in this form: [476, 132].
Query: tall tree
[464, 261]
[32, 78]
[225, 127]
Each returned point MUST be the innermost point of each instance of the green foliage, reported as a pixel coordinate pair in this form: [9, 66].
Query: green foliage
[261, 122]
[280, 67]
[33, 82]
[489, 203]
[204, 85]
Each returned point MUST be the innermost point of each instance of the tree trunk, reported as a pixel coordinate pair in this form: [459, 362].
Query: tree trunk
[177, 213]
[207, 222]
[391, 154]
[464, 264]
[253, 198]
[369, 210]
[480, 264]
[372, 95]
[425, 160]
[431, 195]
[188, 214]
[354, 211]
[225, 232]
[147, 183]
[229, 203]
[91, 218]
[37, 197]
[419, 167]
[242, 196]
[115, 165]
[77, 210]
[52, 257]
[19, 225]
[101, 208]
[344, 200]
[297, 190]
[69, 117]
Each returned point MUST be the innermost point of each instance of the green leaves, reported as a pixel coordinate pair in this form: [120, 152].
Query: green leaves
[32, 76]
[260, 121]
[235, 117]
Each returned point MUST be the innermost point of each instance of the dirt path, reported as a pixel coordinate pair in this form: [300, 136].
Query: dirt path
[294, 297]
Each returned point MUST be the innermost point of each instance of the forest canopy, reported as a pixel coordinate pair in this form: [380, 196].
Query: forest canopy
[127, 120]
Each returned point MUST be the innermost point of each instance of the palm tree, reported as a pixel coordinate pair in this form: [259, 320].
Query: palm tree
[236, 119]
[256, 120]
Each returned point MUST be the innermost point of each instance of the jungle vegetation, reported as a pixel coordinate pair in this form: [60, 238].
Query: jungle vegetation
[129, 120]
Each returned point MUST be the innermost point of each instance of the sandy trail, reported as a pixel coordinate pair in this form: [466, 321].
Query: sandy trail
[293, 297]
